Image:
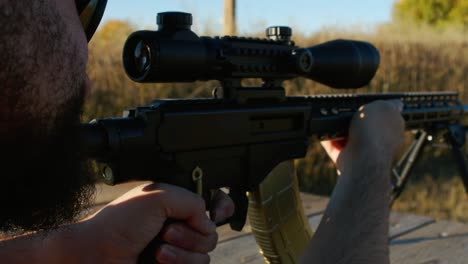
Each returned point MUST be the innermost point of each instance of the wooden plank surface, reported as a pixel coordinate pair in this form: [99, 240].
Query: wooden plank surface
[439, 243]
[403, 223]
[413, 239]
[244, 249]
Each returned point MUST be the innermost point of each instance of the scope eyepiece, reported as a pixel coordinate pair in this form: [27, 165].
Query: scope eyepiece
[142, 57]
[138, 58]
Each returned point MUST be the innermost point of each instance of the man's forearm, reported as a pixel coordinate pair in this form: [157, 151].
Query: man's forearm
[354, 227]
[60, 246]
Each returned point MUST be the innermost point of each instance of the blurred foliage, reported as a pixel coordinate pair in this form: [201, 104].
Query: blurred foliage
[437, 13]
[411, 60]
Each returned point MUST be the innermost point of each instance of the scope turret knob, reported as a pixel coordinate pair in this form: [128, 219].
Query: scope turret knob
[174, 20]
[279, 33]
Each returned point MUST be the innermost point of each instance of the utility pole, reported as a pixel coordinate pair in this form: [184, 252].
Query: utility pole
[229, 28]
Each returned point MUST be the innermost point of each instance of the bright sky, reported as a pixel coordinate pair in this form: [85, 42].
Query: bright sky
[253, 16]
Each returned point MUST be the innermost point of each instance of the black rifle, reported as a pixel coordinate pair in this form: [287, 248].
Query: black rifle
[236, 138]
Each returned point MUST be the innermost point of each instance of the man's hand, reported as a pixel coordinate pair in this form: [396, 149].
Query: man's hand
[378, 126]
[354, 227]
[122, 229]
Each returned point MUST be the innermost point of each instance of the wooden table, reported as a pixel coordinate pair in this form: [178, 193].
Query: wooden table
[413, 239]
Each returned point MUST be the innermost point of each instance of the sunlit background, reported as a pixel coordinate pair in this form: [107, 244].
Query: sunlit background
[306, 16]
[423, 46]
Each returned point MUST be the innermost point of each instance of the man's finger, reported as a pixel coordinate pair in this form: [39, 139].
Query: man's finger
[223, 207]
[182, 236]
[380, 107]
[167, 254]
[398, 104]
[167, 201]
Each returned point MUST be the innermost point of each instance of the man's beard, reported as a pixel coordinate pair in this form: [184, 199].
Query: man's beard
[46, 182]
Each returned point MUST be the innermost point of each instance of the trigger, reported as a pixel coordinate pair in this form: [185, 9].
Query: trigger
[241, 202]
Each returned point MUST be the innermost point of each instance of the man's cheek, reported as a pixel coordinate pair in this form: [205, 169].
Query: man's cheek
[69, 13]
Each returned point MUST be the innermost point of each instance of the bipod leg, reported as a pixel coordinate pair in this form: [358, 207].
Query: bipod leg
[401, 171]
[456, 136]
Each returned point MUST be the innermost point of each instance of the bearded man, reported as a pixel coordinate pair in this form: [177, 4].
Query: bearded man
[46, 182]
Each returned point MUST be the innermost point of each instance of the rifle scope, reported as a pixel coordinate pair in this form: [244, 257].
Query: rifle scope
[174, 53]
